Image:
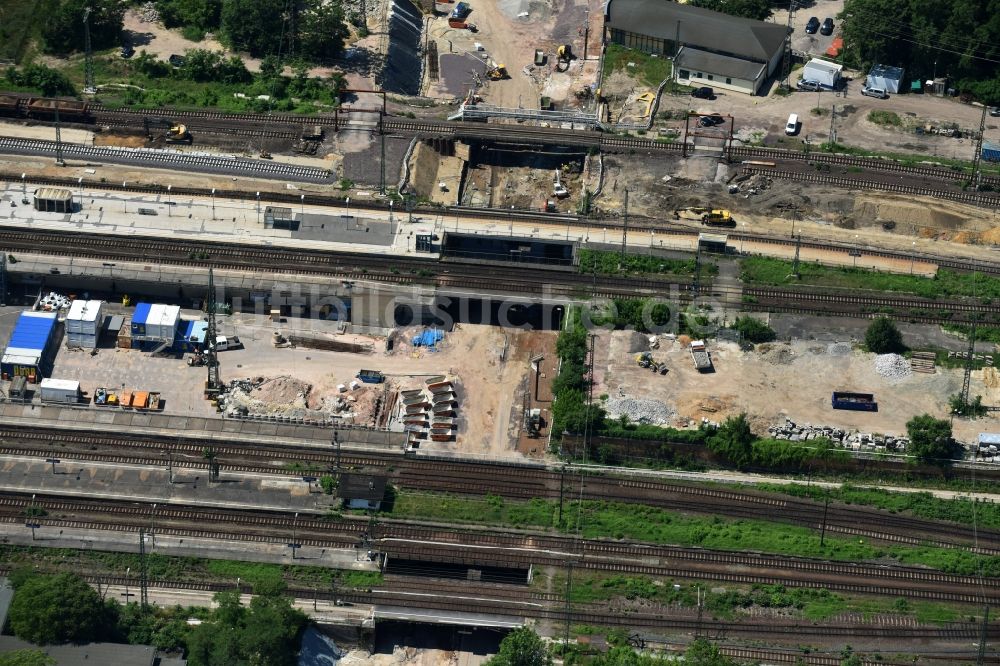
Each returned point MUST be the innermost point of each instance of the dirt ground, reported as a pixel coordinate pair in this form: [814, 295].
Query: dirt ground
[409, 656]
[549, 23]
[780, 381]
[490, 367]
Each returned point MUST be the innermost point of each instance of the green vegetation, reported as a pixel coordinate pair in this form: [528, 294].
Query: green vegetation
[751, 9]
[654, 525]
[29, 657]
[930, 440]
[60, 608]
[753, 330]
[20, 26]
[522, 647]
[48, 81]
[162, 567]
[910, 34]
[252, 25]
[946, 284]
[973, 408]
[328, 483]
[882, 337]
[570, 410]
[62, 29]
[922, 505]
[640, 314]
[610, 263]
[646, 68]
[880, 117]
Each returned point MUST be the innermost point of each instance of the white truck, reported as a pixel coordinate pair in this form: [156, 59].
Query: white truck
[702, 359]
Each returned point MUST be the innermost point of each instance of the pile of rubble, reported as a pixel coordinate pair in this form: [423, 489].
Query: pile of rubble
[839, 349]
[795, 432]
[892, 366]
[148, 13]
[289, 399]
[750, 185]
[639, 411]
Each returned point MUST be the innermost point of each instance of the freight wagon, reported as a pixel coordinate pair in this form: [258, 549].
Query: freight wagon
[859, 402]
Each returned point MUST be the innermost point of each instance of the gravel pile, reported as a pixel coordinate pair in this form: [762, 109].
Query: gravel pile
[892, 366]
[640, 411]
[148, 13]
[839, 349]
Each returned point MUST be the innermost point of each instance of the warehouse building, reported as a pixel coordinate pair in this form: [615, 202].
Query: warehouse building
[53, 200]
[709, 48]
[32, 347]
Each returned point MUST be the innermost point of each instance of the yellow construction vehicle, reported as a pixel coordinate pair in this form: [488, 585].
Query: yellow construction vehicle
[564, 56]
[178, 133]
[497, 73]
[164, 130]
[713, 217]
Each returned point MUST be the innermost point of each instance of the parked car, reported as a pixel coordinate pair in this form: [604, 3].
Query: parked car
[994, 111]
[127, 51]
[703, 93]
[792, 126]
[827, 27]
[808, 85]
[711, 121]
[812, 26]
[875, 92]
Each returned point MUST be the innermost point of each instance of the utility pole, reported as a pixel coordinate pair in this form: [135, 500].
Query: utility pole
[833, 132]
[381, 163]
[336, 445]
[786, 68]
[967, 377]
[822, 532]
[981, 656]
[696, 282]
[625, 228]
[795, 262]
[213, 384]
[143, 573]
[977, 174]
[590, 397]
[569, 604]
[88, 66]
[59, 151]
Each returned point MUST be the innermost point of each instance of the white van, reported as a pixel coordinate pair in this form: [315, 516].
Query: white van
[792, 126]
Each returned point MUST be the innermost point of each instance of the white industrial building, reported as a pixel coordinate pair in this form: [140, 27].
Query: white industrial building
[889, 79]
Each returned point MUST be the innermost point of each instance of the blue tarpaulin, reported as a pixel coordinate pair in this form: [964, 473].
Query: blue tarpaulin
[428, 338]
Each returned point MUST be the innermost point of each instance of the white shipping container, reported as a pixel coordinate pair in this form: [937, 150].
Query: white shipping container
[81, 340]
[60, 390]
[84, 317]
[162, 322]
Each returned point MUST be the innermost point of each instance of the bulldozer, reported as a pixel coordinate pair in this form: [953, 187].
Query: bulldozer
[564, 56]
[497, 73]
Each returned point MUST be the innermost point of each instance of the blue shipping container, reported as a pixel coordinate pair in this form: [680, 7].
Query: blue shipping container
[991, 152]
[139, 318]
[33, 331]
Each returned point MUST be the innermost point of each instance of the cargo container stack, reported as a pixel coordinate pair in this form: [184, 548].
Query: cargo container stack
[83, 323]
[31, 349]
[154, 325]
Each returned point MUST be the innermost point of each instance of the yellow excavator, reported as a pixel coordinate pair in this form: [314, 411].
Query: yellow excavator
[564, 56]
[713, 217]
[497, 72]
[170, 131]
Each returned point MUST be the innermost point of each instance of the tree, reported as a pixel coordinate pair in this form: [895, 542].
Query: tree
[50, 82]
[322, 30]
[754, 330]
[882, 337]
[734, 440]
[256, 26]
[521, 647]
[752, 9]
[56, 609]
[29, 657]
[266, 632]
[203, 14]
[62, 29]
[702, 653]
[930, 439]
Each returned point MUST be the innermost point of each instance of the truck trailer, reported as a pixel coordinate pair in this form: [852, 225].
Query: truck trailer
[702, 359]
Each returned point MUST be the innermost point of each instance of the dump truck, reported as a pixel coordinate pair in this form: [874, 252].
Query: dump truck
[702, 359]
[371, 376]
[105, 397]
[713, 217]
[858, 402]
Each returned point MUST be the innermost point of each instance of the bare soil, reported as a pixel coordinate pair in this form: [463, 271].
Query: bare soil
[779, 381]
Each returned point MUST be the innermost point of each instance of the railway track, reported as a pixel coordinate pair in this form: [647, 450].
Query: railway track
[519, 482]
[492, 547]
[990, 200]
[656, 226]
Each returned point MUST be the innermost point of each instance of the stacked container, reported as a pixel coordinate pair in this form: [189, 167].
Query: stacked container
[31, 349]
[155, 322]
[83, 324]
